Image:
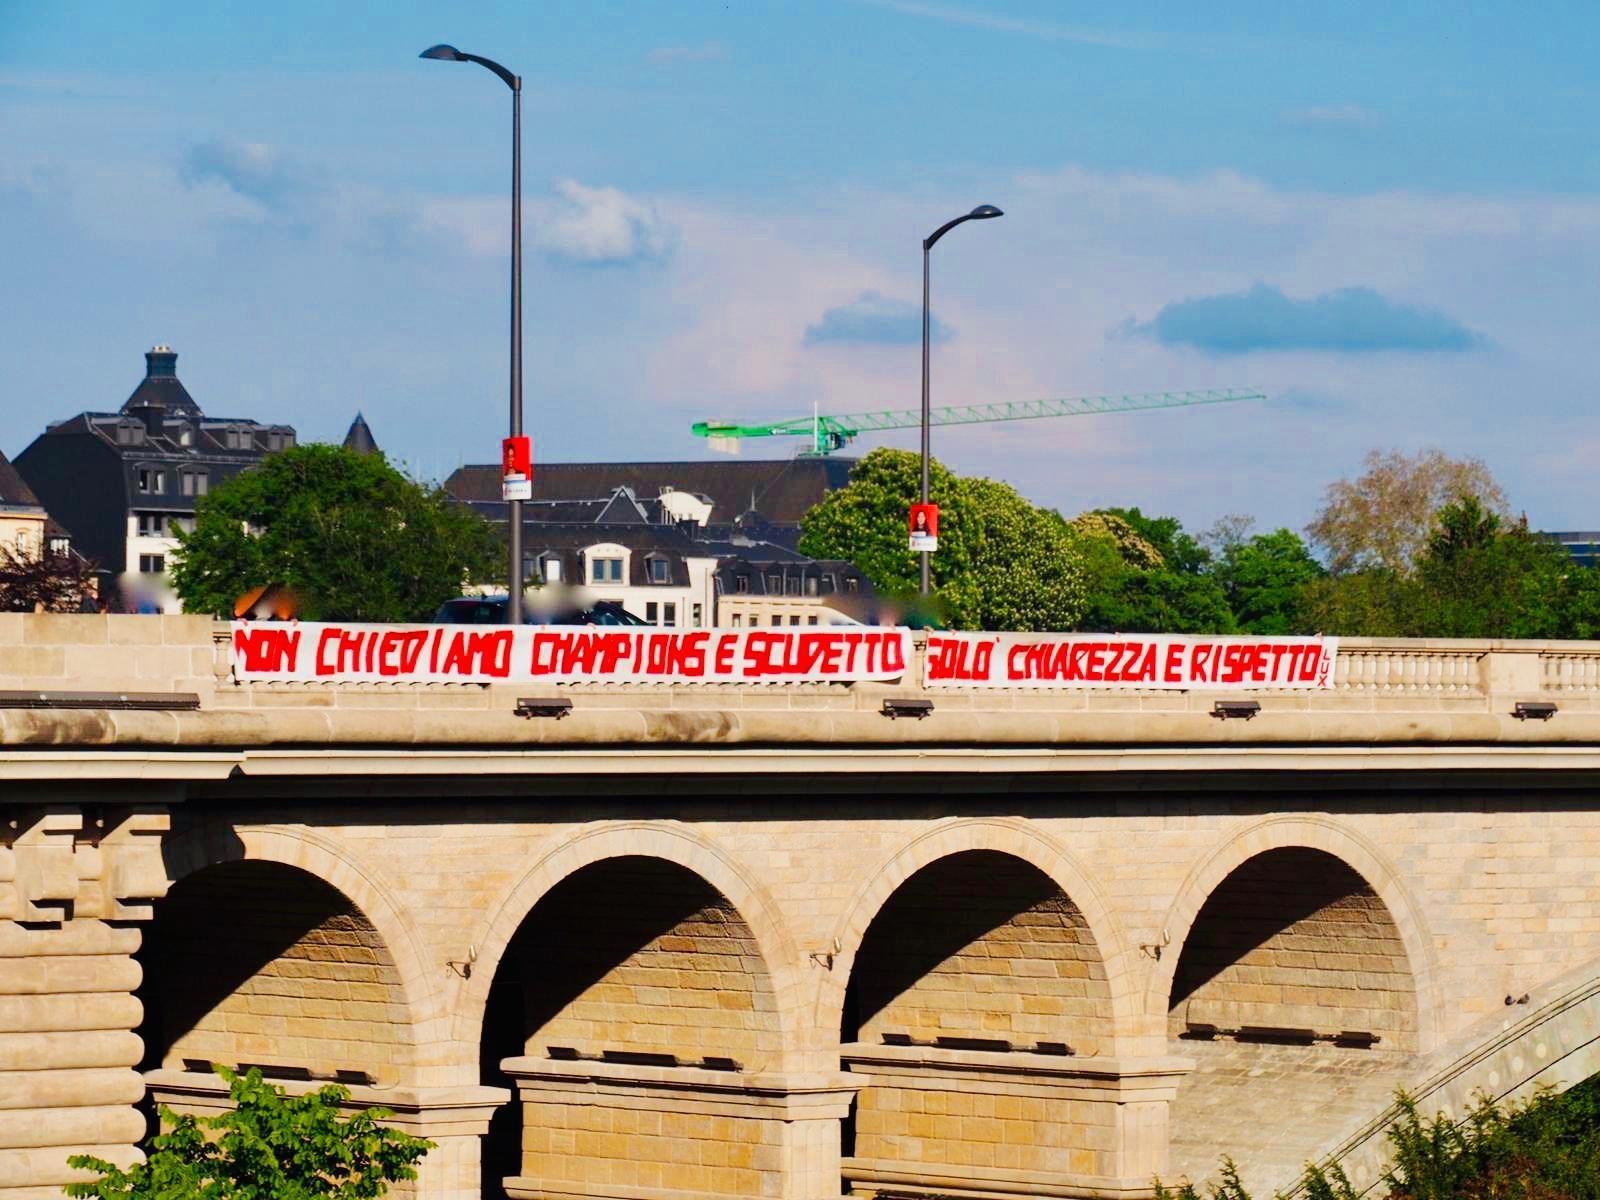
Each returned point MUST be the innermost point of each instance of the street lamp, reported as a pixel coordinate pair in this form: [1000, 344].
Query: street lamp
[514, 82]
[983, 212]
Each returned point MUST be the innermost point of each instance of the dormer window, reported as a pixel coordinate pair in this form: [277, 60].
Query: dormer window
[151, 481]
[550, 568]
[130, 433]
[605, 570]
[279, 439]
[185, 434]
[658, 568]
[238, 437]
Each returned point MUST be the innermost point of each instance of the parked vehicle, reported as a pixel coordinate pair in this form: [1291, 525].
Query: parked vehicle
[491, 610]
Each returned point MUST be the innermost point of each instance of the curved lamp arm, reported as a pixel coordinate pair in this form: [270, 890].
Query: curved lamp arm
[983, 212]
[446, 53]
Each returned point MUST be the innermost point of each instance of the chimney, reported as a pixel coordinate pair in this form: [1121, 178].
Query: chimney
[161, 362]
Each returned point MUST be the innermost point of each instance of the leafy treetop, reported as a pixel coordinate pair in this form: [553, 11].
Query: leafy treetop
[354, 538]
[1002, 563]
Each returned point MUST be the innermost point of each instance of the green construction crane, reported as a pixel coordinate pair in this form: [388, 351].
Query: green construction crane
[828, 434]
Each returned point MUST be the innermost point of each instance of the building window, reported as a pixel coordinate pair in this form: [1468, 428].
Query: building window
[669, 613]
[152, 481]
[774, 585]
[811, 585]
[741, 584]
[238, 438]
[812, 619]
[696, 616]
[651, 612]
[791, 586]
[152, 524]
[550, 568]
[738, 621]
[660, 569]
[129, 433]
[849, 585]
[152, 564]
[60, 545]
[794, 618]
[605, 570]
[196, 483]
[279, 439]
[185, 434]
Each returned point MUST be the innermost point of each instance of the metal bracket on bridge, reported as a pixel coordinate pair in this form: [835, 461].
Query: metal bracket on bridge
[532, 706]
[893, 708]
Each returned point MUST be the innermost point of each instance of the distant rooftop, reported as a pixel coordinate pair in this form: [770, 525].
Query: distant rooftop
[782, 490]
[359, 438]
[160, 386]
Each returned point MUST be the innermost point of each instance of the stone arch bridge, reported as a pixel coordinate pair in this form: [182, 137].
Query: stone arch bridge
[697, 942]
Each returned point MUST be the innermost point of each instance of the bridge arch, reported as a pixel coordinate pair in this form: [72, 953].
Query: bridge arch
[1019, 842]
[360, 956]
[1302, 832]
[664, 842]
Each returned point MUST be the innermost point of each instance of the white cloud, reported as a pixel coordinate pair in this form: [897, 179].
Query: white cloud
[599, 225]
[1041, 30]
[593, 226]
[1333, 116]
[705, 52]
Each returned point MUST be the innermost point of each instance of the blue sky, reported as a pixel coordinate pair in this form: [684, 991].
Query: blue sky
[1383, 215]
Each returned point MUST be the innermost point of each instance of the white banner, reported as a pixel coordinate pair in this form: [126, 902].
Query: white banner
[303, 651]
[1128, 660]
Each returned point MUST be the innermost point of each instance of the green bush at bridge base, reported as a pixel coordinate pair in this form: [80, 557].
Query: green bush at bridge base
[1545, 1149]
[270, 1146]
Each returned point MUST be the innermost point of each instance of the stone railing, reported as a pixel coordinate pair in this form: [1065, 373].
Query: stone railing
[1410, 668]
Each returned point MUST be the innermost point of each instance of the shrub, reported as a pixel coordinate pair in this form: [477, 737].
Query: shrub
[270, 1146]
[1545, 1148]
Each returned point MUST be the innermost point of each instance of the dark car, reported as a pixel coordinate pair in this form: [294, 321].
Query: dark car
[491, 610]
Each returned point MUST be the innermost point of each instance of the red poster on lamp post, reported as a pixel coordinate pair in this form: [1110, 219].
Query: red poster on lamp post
[516, 468]
[924, 526]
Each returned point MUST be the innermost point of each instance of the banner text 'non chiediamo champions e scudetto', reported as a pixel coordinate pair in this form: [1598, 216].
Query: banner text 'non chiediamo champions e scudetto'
[303, 651]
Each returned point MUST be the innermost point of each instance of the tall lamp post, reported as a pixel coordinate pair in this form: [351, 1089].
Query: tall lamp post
[983, 212]
[514, 82]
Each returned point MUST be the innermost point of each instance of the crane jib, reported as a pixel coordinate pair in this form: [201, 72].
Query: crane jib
[827, 433]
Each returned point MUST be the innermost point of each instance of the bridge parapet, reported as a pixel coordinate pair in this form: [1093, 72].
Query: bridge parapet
[1384, 692]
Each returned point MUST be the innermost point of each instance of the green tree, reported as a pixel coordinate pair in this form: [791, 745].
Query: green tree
[1002, 563]
[1480, 578]
[1146, 575]
[270, 1146]
[1371, 603]
[1580, 603]
[1264, 579]
[352, 536]
[1179, 550]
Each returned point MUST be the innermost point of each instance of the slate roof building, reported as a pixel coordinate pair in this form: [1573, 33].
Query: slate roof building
[666, 562]
[123, 482]
[23, 520]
